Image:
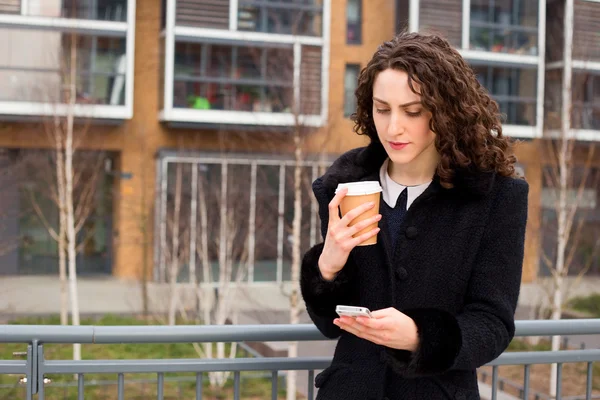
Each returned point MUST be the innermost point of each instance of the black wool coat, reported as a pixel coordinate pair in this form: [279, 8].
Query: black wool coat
[455, 270]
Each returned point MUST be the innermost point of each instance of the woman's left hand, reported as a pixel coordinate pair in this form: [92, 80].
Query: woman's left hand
[388, 327]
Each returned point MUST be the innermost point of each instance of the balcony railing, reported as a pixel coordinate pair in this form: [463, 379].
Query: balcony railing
[35, 368]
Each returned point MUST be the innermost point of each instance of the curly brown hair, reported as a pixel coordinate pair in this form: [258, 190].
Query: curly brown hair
[465, 119]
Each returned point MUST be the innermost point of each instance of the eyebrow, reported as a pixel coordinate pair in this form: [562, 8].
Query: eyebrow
[401, 105]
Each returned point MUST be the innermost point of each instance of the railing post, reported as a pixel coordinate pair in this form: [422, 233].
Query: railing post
[39, 372]
[33, 373]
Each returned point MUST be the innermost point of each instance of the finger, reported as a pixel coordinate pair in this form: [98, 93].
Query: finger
[384, 312]
[361, 238]
[372, 323]
[367, 335]
[355, 212]
[389, 312]
[363, 224]
[335, 203]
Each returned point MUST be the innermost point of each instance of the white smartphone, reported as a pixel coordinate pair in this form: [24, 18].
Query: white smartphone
[351, 311]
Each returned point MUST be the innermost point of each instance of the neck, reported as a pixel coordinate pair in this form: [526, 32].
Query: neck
[419, 171]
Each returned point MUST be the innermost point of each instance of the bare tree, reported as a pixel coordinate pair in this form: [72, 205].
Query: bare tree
[71, 182]
[205, 224]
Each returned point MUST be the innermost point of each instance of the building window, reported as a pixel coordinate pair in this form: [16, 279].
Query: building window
[354, 22]
[233, 77]
[100, 10]
[300, 18]
[40, 74]
[509, 26]
[350, 83]
[258, 248]
[586, 101]
[515, 90]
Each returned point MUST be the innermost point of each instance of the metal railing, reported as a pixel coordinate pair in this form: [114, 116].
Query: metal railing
[36, 367]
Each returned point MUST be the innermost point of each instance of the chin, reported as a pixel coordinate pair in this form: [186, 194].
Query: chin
[401, 159]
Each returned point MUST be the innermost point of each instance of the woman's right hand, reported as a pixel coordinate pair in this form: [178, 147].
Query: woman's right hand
[339, 241]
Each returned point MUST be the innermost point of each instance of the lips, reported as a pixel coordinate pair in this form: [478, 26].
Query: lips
[398, 145]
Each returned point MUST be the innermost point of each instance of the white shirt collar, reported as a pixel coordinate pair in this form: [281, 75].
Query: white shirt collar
[392, 189]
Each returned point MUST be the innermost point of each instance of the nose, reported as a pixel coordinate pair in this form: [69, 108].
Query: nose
[396, 125]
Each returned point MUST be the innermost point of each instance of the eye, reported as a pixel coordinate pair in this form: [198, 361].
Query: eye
[414, 114]
[382, 111]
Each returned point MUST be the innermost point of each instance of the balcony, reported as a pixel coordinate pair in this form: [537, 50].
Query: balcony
[36, 368]
[248, 63]
[99, 10]
[34, 82]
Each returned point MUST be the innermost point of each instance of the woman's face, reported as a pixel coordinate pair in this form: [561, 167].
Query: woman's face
[402, 122]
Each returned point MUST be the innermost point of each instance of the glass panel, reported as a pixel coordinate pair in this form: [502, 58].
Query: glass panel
[515, 89]
[354, 22]
[586, 101]
[177, 254]
[220, 77]
[40, 74]
[38, 250]
[300, 17]
[508, 26]
[280, 64]
[583, 247]
[267, 198]
[350, 83]
[208, 198]
[103, 10]
[248, 63]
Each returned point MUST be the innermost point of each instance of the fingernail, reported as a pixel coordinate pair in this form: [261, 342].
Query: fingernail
[378, 217]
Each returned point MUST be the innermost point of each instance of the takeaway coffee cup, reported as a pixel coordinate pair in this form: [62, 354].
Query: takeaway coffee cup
[360, 193]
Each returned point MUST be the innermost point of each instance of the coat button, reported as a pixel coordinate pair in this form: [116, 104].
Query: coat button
[411, 232]
[401, 273]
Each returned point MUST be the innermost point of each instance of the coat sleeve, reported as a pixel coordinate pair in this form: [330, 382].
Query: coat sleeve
[485, 327]
[322, 296]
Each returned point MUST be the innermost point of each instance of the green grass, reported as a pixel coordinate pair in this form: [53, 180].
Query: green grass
[588, 304]
[252, 387]
[519, 344]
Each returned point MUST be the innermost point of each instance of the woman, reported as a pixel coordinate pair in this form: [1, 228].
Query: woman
[442, 282]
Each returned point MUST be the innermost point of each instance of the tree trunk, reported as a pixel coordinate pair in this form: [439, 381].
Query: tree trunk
[561, 248]
[71, 240]
[291, 380]
[174, 264]
[145, 238]
[564, 156]
[62, 247]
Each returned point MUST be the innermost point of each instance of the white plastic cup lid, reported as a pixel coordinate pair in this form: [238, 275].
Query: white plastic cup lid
[360, 188]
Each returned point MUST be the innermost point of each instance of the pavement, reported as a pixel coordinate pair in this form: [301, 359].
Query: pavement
[261, 303]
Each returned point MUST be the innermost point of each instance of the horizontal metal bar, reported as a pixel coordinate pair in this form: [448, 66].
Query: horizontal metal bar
[46, 334]
[157, 334]
[278, 363]
[558, 327]
[547, 357]
[184, 365]
[13, 367]
[233, 333]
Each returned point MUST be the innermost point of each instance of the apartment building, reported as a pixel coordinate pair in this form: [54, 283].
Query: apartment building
[194, 104]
